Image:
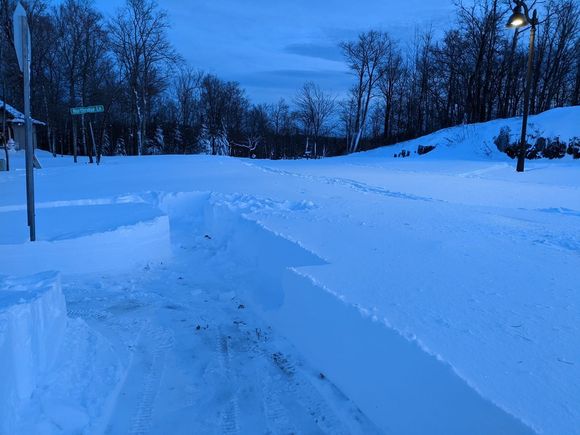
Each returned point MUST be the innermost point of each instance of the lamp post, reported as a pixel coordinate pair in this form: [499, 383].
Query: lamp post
[520, 18]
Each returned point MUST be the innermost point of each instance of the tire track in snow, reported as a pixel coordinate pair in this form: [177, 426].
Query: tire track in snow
[86, 313]
[294, 383]
[162, 340]
[355, 185]
[229, 415]
[278, 420]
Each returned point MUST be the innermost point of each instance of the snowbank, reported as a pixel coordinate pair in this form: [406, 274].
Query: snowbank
[32, 325]
[86, 238]
[475, 141]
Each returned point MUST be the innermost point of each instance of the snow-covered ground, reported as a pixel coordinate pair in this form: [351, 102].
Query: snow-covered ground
[361, 294]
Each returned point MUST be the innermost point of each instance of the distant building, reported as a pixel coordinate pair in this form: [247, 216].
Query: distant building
[15, 126]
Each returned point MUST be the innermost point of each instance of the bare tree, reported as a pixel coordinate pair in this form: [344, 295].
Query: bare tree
[280, 116]
[187, 90]
[315, 109]
[223, 106]
[556, 55]
[391, 77]
[81, 47]
[365, 58]
[482, 21]
[139, 40]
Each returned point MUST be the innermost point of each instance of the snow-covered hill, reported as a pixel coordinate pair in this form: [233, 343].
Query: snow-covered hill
[476, 141]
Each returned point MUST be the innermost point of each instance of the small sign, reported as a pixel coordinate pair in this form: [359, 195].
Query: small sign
[84, 110]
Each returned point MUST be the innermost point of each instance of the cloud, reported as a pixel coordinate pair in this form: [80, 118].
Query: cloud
[269, 86]
[272, 47]
[310, 49]
[293, 79]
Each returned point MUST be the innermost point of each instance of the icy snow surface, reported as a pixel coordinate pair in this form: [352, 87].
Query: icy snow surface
[346, 295]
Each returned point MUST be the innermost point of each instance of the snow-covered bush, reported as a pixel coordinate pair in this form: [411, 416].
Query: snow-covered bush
[106, 147]
[177, 140]
[535, 152]
[555, 149]
[512, 150]
[214, 143]
[120, 149]
[540, 148]
[541, 144]
[574, 147]
[156, 145]
[503, 140]
[404, 153]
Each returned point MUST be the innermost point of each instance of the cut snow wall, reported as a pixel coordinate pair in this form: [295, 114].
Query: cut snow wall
[32, 325]
[402, 388]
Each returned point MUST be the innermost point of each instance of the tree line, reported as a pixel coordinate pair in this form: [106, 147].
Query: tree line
[156, 103]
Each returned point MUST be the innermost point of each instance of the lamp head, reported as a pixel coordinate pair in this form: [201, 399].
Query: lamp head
[517, 19]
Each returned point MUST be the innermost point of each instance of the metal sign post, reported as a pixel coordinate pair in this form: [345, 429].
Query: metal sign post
[23, 53]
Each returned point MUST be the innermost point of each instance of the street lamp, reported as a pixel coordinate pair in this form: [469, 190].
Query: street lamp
[520, 18]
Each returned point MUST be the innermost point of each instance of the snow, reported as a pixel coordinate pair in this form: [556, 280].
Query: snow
[357, 294]
[32, 324]
[475, 141]
[85, 238]
[16, 115]
[57, 373]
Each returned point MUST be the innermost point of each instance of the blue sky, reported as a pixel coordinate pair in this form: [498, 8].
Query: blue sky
[271, 47]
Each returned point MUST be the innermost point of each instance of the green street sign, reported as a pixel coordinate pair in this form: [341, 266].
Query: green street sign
[85, 110]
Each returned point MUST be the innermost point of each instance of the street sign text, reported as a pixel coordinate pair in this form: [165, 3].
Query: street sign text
[84, 110]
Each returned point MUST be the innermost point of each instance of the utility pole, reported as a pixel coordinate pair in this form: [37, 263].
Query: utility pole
[23, 53]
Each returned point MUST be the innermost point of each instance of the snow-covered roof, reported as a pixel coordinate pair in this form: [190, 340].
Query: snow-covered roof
[17, 117]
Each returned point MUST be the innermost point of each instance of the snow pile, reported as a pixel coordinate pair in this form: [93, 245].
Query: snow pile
[85, 238]
[78, 395]
[32, 325]
[476, 141]
[57, 374]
